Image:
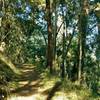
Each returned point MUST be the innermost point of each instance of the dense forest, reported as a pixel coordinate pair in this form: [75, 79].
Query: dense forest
[49, 49]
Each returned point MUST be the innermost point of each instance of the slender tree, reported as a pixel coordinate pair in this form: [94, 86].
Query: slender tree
[50, 37]
[54, 30]
[63, 42]
[82, 36]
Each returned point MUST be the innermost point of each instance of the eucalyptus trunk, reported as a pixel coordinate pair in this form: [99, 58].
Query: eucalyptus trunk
[50, 37]
[63, 44]
[82, 37]
[54, 32]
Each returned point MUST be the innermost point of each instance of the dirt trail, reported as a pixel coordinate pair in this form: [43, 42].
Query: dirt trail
[28, 82]
[32, 87]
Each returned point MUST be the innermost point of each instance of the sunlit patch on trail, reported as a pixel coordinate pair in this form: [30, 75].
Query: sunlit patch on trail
[23, 98]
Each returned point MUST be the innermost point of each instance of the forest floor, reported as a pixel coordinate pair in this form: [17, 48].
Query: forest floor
[34, 85]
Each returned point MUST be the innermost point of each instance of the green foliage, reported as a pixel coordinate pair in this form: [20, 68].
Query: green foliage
[92, 78]
[23, 30]
[6, 75]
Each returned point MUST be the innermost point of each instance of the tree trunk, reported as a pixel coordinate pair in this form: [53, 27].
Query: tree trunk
[54, 32]
[82, 36]
[63, 44]
[50, 37]
[63, 57]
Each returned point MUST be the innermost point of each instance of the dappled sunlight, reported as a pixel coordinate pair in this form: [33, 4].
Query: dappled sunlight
[23, 98]
[49, 50]
[60, 96]
[31, 82]
[23, 83]
[34, 86]
[72, 96]
[28, 82]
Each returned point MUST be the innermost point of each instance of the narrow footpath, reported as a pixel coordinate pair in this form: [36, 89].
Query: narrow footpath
[33, 86]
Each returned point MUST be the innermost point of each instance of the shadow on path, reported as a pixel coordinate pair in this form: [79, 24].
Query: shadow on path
[51, 92]
[28, 82]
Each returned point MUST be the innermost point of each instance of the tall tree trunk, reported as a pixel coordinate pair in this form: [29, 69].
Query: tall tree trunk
[50, 37]
[63, 44]
[54, 31]
[63, 57]
[82, 36]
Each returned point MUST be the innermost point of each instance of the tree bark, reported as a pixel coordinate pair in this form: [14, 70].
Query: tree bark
[82, 36]
[54, 31]
[50, 37]
[63, 44]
